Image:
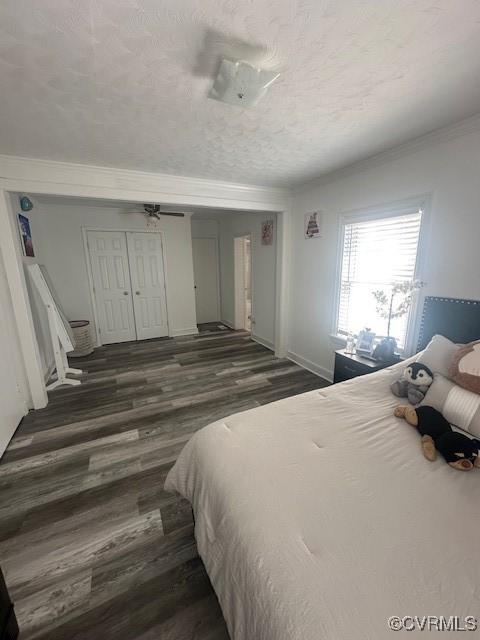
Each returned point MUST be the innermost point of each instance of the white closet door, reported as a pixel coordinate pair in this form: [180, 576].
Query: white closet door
[12, 402]
[111, 279]
[148, 284]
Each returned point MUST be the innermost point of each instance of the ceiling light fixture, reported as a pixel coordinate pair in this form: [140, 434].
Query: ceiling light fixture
[240, 83]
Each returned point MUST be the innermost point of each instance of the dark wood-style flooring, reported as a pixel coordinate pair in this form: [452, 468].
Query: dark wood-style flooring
[91, 545]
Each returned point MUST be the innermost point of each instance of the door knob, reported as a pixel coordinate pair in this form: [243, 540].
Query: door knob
[137, 293]
[125, 293]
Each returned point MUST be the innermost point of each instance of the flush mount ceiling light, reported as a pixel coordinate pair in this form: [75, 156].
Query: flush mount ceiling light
[241, 83]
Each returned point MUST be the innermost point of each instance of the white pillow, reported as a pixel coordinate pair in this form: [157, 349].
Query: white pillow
[438, 355]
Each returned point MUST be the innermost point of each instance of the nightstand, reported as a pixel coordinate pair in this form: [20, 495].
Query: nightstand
[351, 365]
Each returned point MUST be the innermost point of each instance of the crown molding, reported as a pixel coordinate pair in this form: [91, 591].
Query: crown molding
[462, 128]
[47, 176]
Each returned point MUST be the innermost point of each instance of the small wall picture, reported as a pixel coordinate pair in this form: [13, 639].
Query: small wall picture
[26, 233]
[313, 225]
[267, 232]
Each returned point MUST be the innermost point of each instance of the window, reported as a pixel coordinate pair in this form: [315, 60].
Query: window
[378, 251]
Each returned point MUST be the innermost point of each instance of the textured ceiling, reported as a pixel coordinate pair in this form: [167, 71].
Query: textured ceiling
[124, 83]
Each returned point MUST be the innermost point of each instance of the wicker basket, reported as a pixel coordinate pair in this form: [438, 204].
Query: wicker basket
[83, 338]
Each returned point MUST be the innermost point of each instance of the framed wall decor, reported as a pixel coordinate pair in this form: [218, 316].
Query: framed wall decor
[26, 235]
[313, 224]
[267, 232]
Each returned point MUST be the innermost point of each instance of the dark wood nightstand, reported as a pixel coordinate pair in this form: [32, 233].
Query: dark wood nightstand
[348, 365]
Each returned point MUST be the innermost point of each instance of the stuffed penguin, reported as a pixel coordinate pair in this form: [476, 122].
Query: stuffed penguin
[414, 383]
[460, 451]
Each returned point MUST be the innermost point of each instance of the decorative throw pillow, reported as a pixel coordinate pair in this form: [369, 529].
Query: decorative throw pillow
[438, 355]
[459, 406]
[465, 367]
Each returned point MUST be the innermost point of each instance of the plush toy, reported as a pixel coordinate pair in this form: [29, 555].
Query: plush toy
[460, 451]
[414, 383]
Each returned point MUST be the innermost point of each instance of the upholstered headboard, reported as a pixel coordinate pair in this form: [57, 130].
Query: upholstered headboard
[453, 318]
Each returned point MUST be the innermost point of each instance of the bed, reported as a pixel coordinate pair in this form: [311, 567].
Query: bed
[317, 518]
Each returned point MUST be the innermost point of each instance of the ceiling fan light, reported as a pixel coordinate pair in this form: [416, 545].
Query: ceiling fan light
[240, 83]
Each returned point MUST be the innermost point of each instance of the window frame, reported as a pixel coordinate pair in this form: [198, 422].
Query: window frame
[378, 212]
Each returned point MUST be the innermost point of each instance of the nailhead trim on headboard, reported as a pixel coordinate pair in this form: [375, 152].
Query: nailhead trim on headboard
[431, 303]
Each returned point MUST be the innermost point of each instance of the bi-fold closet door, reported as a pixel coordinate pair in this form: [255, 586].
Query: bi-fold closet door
[129, 285]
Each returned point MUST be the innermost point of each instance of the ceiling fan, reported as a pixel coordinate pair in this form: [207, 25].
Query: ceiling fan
[153, 212]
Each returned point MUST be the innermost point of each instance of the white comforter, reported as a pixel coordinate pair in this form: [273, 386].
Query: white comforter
[318, 518]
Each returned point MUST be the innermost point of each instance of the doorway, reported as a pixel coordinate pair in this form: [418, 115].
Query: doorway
[205, 271]
[128, 285]
[243, 282]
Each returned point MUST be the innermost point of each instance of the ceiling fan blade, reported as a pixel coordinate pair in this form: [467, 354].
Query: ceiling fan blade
[156, 210]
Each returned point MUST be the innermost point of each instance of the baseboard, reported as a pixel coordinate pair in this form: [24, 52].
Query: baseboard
[262, 341]
[227, 324]
[310, 366]
[190, 331]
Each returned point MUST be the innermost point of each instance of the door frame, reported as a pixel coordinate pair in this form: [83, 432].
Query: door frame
[93, 302]
[16, 374]
[235, 298]
[216, 240]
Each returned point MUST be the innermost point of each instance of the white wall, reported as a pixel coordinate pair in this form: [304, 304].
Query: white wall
[449, 171]
[58, 243]
[205, 227]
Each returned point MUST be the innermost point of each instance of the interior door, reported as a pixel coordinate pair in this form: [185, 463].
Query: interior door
[112, 287]
[243, 282]
[12, 402]
[148, 284]
[205, 269]
[247, 246]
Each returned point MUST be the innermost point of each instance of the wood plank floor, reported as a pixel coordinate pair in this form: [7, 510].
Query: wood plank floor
[90, 543]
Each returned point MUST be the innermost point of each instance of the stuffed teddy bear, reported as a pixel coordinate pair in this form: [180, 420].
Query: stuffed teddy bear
[414, 383]
[460, 451]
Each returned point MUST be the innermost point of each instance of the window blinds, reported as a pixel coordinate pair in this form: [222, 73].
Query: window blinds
[377, 252]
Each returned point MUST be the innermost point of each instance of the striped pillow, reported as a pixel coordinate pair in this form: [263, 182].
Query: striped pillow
[459, 406]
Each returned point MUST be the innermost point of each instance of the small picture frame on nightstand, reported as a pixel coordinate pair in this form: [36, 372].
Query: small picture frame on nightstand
[365, 341]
